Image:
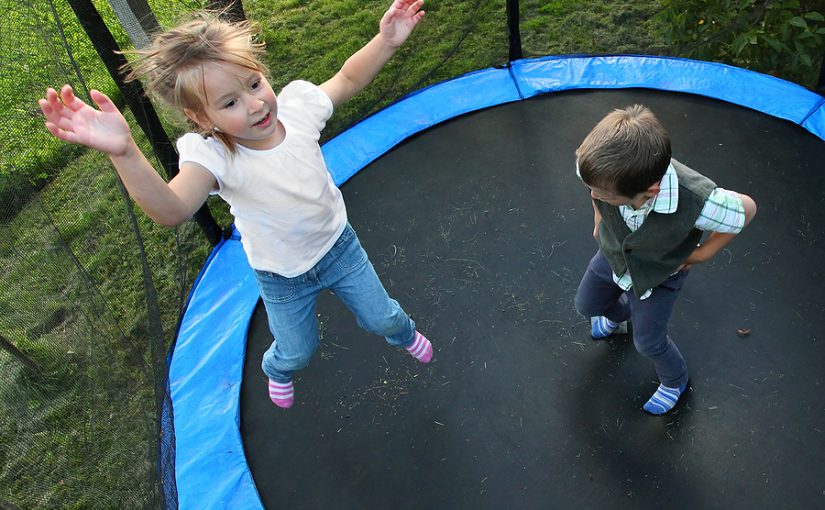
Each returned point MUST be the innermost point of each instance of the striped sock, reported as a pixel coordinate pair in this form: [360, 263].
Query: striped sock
[421, 348]
[282, 394]
[602, 327]
[664, 399]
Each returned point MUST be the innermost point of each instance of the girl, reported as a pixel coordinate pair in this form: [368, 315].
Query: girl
[260, 153]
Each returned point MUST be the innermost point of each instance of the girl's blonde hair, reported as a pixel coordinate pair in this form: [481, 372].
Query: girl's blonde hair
[171, 68]
[627, 152]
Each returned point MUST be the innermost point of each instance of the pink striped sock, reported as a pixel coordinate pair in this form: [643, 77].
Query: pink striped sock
[282, 394]
[421, 348]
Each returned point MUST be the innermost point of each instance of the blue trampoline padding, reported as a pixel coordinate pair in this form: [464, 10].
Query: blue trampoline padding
[815, 123]
[205, 380]
[207, 364]
[759, 92]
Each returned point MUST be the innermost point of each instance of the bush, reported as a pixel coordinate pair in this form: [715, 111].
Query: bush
[783, 38]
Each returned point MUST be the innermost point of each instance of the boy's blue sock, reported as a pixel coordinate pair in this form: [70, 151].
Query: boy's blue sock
[602, 327]
[664, 399]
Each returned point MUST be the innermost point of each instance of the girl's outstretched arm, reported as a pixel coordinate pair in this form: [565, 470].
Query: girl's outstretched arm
[399, 21]
[360, 69]
[70, 119]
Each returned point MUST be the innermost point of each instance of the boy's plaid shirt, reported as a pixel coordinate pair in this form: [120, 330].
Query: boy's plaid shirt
[723, 212]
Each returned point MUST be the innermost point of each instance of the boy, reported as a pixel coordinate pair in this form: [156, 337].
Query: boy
[625, 162]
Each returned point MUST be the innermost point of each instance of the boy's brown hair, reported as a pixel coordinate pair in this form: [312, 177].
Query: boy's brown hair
[627, 152]
[171, 68]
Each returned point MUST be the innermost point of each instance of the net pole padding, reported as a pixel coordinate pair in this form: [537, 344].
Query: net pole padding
[137, 18]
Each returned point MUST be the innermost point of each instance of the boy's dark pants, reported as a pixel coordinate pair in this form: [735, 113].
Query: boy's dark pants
[598, 295]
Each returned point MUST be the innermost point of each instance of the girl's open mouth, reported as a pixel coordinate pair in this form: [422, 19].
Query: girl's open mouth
[263, 122]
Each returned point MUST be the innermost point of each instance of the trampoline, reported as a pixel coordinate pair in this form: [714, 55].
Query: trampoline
[471, 212]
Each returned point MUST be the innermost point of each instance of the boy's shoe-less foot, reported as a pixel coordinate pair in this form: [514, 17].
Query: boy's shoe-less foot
[421, 348]
[602, 327]
[282, 394]
[664, 399]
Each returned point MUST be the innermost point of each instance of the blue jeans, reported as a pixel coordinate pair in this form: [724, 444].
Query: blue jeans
[290, 306]
[599, 295]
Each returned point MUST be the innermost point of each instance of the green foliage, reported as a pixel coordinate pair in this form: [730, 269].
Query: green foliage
[784, 38]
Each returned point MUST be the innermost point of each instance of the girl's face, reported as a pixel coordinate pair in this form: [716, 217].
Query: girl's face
[240, 103]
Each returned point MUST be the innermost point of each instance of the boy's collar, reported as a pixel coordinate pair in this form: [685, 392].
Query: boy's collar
[667, 200]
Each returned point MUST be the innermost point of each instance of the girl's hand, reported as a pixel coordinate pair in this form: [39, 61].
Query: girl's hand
[70, 119]
[400, 20]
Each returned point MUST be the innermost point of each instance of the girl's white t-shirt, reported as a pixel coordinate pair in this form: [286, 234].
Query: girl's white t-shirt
[287, 209]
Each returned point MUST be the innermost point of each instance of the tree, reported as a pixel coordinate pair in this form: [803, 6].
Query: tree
[779, 37]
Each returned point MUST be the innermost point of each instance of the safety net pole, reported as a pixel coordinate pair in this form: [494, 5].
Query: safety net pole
[513, 30]
[145, 115]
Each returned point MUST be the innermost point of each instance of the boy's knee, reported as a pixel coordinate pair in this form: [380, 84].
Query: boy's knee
[650, 348]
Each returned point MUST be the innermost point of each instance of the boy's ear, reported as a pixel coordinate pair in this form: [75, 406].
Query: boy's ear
[200, 119]
[654, 189]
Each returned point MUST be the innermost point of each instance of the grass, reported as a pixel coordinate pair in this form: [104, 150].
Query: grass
[86, 423]
[311, 43]
[600, 27]
[81, 434]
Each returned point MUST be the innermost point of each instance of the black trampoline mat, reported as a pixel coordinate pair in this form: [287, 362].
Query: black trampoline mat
[481, 230]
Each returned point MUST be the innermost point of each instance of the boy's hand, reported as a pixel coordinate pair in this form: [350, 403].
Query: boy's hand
[707, 250]
[694, 258]
[70, 119]
[400, 20]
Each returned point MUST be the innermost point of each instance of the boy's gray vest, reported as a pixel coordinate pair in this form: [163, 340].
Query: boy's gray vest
[663, 242]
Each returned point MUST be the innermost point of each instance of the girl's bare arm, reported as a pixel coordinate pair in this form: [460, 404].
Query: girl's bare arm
[72, 120]
[360, 69]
